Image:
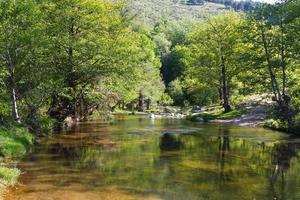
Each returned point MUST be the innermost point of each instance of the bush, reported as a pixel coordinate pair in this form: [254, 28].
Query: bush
[14, 141]
[275, 124]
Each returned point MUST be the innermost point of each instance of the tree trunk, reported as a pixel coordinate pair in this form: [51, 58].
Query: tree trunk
[12, 86]
[141, 102]
[274, 83]
[148, 104]
[226, 104]
[15, 112]
[220, 91]
[32, 119]
[282, 100]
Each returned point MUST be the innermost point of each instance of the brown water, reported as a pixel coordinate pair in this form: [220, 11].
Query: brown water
[140, 158]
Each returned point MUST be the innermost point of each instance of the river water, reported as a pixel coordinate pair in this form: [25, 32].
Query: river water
[140, 158]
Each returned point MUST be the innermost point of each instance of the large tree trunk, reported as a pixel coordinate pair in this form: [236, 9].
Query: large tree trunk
[226, 104]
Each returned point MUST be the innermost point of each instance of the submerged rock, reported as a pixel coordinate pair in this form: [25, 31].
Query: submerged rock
[199, 119]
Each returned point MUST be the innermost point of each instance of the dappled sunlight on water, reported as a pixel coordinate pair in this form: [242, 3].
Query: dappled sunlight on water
[140, 158]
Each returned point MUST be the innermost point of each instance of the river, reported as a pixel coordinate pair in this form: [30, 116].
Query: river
[140, 158]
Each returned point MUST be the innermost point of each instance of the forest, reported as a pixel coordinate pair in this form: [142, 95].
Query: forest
[73, 60]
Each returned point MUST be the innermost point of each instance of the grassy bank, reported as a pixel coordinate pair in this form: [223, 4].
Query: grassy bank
[216, 114]
[14, 142]
[276, 124]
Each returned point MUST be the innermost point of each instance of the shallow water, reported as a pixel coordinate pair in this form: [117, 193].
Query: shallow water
[140, 158]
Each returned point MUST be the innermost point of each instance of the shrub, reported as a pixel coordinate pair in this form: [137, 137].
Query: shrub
[275, 124]
[14, 141]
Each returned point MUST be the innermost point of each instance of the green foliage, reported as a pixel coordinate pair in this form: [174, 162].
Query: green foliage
[9, 176]
[73, 57]
[275, 124]
[176, 92]
[14, 141]
[212, 62]
[166, 99]
[218, 114]
[271, 37]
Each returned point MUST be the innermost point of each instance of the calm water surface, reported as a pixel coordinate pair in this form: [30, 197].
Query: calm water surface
[140, 158]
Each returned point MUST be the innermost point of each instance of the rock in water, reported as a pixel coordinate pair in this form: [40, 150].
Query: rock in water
[199, 119]
[152, 116]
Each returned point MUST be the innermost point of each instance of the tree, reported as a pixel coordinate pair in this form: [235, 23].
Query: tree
[273, 36]
[214, 54]
[150, 86]
[168, 35]
[91, 41]
[19, 26]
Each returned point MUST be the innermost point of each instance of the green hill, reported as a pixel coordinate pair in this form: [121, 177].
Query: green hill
[149, 11]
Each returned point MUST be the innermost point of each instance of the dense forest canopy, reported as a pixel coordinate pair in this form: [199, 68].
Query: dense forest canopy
[67, 59]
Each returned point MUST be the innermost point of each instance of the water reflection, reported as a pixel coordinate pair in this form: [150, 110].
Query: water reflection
[224, 144]
[281, 156]
[95, 161]
[169, 142]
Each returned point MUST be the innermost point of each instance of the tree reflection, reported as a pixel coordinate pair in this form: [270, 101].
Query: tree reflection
[217, 163]
[224, 147]
[281, 156]
[169, 142]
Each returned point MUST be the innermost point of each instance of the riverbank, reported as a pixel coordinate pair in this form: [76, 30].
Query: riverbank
[14, 143]
[251, 116]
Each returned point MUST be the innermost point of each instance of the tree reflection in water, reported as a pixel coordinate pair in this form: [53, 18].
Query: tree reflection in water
[281, 156]
[169, 142]
[224, 147]
[212, 163]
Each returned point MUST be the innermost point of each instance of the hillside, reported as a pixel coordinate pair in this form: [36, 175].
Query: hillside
[149, 11]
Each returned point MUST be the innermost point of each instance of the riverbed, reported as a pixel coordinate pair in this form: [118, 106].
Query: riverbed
[173, 159]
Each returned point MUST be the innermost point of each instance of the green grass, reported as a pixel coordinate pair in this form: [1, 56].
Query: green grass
[9, 176]
[231, 115]
[217, 114]
[275, 124]
[14, 142]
